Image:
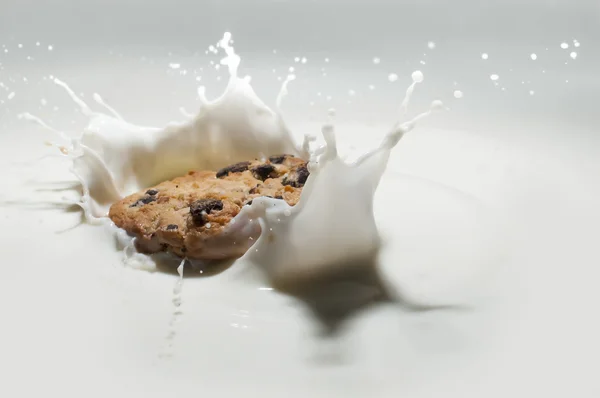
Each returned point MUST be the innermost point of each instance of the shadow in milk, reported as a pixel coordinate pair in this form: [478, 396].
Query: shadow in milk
[336, 298]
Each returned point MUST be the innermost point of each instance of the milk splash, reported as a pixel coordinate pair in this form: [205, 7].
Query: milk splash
[332, 224]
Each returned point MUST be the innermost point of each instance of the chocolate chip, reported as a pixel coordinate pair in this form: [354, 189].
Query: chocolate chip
[297, 177]
[277, 159]
[148, 199]
[264, 171]
[184, 249]
[151, 192]
[204, 206]
[171, 227]
[234, 168]
[143, 201]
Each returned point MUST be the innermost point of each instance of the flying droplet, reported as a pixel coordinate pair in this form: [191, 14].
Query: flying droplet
[417, 76]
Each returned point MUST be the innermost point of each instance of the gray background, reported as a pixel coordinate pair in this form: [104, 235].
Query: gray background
[351, 33]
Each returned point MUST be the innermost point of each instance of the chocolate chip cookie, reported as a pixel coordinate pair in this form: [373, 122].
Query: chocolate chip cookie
[189, 216]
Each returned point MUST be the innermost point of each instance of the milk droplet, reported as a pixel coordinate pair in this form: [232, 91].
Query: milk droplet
[533, 56]
[417, 76]
[371, 87]
[392, 77]
[351, 92]
[291, 69]
[173, 65]
[484, 56]
[297, 59]
[326, 60]
[303, 60]
[431, 45]
[564, 46]
[50, 47]
[43, 101]
[20, 45]
[376, 60]
[576, 43]
[531, 92]
[11, 95]
[37, 43]
[494, 77]
[437, 105]
[573, 55]
[458, 94]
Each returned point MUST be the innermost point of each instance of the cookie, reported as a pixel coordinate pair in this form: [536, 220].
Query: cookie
[188, 215]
